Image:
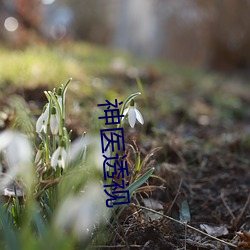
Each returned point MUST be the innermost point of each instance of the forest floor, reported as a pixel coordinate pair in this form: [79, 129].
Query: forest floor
[197, 123]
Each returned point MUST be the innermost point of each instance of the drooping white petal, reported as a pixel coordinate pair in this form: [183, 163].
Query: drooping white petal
[132, 117]
[125, 112]
[46, 112]
[139, 116]
[55, 156]
[39, 123]
[59, 157]
[54, 124]
[44, 127]
[63, 159]
[61, 163]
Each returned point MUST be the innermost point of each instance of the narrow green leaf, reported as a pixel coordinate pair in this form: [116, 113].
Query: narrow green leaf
[65, 87]
[140, 181]
[39, 222]
[132, 188]
[138, 163]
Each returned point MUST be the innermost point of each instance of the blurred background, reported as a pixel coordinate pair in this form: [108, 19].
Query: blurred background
[211, 34]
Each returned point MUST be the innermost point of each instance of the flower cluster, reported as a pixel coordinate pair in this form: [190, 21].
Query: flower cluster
[52, 151]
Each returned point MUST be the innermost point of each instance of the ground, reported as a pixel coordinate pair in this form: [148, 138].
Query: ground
[196, 122]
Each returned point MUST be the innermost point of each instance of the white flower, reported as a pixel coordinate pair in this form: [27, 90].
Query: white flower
[133, 114]
[59, 157]
[42, 122]
[54, 121]
[17, 152]
[80, 214]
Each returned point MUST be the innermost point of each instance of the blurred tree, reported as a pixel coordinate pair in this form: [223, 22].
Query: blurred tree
[211, 33]
[229, 34]
[29, 14]
[92, 20]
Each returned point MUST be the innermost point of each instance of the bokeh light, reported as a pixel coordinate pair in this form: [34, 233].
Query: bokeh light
[11, 24]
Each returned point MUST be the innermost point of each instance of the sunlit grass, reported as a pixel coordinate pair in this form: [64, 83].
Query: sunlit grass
[94, 78]
[37, 65]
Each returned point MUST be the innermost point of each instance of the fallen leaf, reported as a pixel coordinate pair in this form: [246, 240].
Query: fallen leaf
[215, 231]
[245, 236]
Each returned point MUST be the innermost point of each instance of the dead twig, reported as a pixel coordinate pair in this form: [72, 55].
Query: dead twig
[227, 207]
[115, 247]
[239, 217]
[177, 193]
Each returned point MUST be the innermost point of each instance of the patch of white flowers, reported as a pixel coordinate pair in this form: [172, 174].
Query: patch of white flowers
[51, 130]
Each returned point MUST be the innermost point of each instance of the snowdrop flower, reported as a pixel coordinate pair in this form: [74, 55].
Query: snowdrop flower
[59, 157]
[54, 121]
[17, 152]
[42, 122]
[79, 214]
[133, 114]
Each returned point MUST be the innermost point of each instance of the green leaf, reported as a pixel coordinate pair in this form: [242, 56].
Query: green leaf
[65, 87]
[132, 188]
[138, 163]
[39, 222]
[140, 181]
[10, 236]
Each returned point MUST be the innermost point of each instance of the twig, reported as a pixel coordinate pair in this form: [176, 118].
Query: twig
[185, 242]
[227, 207]
[184, 224]
[48, 185]
[117, 246]
[175, 198]
[239, 217]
